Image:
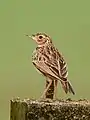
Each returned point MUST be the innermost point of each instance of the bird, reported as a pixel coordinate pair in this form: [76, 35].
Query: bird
[50, 62]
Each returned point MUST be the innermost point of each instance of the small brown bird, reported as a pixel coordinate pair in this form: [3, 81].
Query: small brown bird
[50, 63]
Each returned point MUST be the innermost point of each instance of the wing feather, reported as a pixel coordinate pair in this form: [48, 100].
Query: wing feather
[44, 68]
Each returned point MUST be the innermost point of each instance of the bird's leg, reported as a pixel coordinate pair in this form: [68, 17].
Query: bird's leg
[48, 86]
[55, 88]
[50, 91]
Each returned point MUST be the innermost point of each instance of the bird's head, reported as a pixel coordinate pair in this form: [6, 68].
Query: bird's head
[41, 38]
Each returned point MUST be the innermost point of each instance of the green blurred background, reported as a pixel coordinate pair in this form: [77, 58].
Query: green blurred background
[67, 22]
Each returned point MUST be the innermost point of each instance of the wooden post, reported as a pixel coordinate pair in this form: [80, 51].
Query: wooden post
[50, 110]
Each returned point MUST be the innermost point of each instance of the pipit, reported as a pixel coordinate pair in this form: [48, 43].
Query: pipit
[50, 62]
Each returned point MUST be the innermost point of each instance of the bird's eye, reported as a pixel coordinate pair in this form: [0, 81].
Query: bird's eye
[40, 37]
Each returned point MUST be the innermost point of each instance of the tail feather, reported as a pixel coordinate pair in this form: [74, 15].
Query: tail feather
[70, 88]
[67, 87]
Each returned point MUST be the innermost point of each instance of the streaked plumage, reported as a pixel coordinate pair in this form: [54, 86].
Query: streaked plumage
[50, 62]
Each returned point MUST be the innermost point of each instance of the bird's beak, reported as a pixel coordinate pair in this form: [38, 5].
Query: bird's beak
[32, 36]
[28, 35]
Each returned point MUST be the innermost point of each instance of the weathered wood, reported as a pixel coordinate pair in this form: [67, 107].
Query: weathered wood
[50, 110]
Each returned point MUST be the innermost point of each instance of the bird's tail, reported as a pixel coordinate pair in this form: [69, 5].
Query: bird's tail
[67, 87]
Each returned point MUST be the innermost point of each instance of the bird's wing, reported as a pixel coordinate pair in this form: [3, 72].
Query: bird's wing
[51, 62]
[56, 63]
[44, 68]
[62, 66]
